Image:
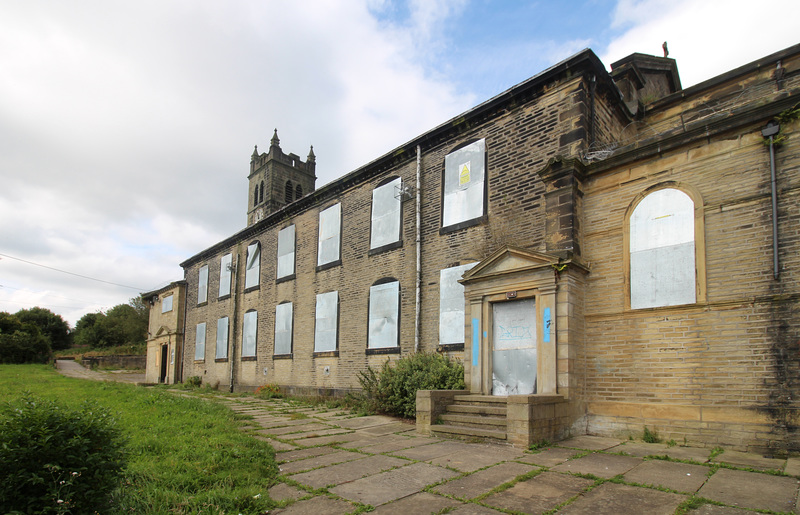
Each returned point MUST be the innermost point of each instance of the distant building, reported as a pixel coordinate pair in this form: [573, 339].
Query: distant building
[165, 333]
[597, 247]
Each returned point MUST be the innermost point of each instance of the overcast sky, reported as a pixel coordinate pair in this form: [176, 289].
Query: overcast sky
[126, 128]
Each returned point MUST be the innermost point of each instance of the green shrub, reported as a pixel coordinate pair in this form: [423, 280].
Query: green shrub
[57, 460]
[22, 342]
[393, 390]
[194, 381]
[268, 391]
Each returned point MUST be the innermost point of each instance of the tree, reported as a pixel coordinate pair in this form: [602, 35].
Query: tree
[124, 324]
[21, 342]
[52, 326]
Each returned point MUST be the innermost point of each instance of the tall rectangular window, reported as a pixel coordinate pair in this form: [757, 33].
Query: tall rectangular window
[330, 226]
[327, 321]
[384, 313]
[202, 285]
[283, 328]
[385, 226]
[222, 338]
[249, 333]
[225, 275]
[253, 269]
[200, 342]
[464, 184]
[451, 305]
[286, 245]
[166, 304]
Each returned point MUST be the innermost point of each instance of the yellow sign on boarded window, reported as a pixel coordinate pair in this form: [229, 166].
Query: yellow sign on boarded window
[463, 174]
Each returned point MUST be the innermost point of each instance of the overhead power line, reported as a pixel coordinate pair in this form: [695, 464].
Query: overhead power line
[71, 273]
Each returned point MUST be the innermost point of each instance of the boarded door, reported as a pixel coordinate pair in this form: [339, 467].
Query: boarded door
[514, 353]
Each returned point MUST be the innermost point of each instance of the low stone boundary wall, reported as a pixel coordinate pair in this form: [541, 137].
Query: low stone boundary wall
[122, 362]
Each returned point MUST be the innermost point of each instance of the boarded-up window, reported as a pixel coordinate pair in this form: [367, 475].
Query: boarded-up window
[166, 304]
[225, 275]
[286, 243]
[327, 321]
[202, 285]
[200, 342]
[253, 271]
[222, 338]
[249, 333]
[384, 311]
[283, 328]
[298, 192]
[662, 250]
[330, 225]
[385, 228]
[464, 176]
[451, 305]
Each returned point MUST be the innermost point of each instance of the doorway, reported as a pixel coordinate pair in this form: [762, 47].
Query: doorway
[514, 353]
[162, 378]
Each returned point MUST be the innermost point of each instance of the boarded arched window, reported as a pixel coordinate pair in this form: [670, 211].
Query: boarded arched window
[298, 192]
[662, 250]
[288, 192]
[261, 194]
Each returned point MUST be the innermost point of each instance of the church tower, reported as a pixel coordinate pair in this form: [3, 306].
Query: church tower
[277, 180]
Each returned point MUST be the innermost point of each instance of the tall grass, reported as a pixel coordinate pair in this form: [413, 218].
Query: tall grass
[184, 454]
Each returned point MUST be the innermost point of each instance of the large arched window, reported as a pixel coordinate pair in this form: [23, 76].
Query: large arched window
[665, 249]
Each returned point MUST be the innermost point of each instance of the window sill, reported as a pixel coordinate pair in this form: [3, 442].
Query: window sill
[463, 225]
[199, 361]
[327, 354]
[385, 248]
[220, 360]
[326, 266]
[285, 278]
[204, 303]
[283, 356]
[252, 288]
[248, 358]
[384, 350]
[450, 347]
[224, 297]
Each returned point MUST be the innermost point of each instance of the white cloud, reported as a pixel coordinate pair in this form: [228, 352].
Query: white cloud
[705, 38]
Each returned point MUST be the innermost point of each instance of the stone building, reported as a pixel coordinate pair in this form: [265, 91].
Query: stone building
[165, 333]
[603, 250]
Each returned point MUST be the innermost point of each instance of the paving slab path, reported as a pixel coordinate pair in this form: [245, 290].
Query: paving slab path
[337, 463]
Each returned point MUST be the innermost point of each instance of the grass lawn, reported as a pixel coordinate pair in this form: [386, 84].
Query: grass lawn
[184, 454]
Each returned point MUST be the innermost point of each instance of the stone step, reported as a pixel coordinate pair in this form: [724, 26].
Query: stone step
[466, 432]
[474, 398]
[488, 422]
[477, 409]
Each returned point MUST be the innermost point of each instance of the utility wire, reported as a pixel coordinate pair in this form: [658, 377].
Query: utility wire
[71, 273]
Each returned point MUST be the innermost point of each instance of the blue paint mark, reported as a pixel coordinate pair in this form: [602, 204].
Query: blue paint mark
[476, 341]
[547, 322]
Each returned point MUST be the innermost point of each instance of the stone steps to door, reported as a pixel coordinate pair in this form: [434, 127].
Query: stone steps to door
[477, 421]
[466, 432]
[499, 411]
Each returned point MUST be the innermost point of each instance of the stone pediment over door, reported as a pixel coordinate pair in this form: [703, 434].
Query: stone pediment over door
[163, 331]
[511, 260]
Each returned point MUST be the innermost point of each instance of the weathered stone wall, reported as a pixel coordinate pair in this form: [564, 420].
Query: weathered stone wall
[722, 371]
[516, 214]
